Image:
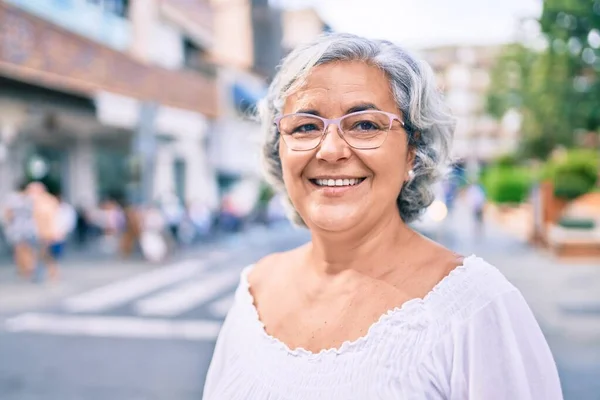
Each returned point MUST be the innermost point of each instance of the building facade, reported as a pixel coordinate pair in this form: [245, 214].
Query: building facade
[139, 99]
[463, 74]
[301, 25]
[104, 98]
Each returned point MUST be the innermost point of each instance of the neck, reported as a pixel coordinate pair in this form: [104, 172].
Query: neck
[364, 249]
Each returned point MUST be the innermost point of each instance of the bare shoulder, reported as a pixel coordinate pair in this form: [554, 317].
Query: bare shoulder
[263, 268]
[273, 266]
[439, 257]
[486, 281]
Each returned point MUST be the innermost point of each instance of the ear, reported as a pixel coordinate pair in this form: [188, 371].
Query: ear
[410, 159]
[411, 153]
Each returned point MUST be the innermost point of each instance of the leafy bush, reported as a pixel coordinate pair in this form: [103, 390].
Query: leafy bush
[507, 184]
[508, 160]
[569, 185]
[574, 174]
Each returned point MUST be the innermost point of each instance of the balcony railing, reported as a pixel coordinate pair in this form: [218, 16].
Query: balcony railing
[81, 17]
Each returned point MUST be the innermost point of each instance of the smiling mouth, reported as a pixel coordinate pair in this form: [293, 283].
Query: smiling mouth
[337, 182]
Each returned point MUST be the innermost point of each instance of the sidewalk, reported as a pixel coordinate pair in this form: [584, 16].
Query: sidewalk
[82, 273]
[75, 255]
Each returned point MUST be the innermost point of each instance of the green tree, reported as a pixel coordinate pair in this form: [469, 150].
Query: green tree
[555, 87]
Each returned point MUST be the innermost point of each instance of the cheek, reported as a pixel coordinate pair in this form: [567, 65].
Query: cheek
[292, 164]
[392, 177]
[293, 182]
[390, 170]
[288, 177]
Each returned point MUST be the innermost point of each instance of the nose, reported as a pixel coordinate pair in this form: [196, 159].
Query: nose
[333, 147]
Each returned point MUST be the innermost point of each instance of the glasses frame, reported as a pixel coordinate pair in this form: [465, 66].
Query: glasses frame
[338, 123]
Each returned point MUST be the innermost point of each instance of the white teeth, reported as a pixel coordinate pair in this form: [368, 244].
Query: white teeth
[337, 182]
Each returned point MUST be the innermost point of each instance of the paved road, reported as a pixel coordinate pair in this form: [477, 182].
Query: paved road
[140, 334]
[133, 332]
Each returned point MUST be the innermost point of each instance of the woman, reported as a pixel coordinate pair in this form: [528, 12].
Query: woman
[356, 136]
[45, 215]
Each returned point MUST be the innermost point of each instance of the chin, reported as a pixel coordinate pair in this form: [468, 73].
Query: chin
[334, 218]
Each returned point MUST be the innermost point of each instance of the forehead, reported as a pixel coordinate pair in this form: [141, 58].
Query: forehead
[340, 85]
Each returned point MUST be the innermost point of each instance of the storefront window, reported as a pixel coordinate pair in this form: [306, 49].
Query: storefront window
[112, 173]
[49, 166]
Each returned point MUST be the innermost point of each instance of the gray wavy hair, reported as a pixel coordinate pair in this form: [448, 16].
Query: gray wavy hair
[428, 122]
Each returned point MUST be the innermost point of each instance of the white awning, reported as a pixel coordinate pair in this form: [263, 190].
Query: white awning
[121, 111]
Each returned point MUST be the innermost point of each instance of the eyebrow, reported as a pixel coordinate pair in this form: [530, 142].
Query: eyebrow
[362, 107]
[308, 111]
[356, 108]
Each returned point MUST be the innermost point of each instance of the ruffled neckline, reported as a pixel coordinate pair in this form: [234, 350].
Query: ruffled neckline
[409, 311]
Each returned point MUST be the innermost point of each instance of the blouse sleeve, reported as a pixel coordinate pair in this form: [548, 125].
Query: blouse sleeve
[500, 353]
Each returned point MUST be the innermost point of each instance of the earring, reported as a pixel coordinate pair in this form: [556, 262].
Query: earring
[411, 175]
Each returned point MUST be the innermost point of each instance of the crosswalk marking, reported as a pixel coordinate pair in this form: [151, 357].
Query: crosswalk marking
[217, 255]
[121, 292]
[187, 296]
[121, 327]
[221, 307]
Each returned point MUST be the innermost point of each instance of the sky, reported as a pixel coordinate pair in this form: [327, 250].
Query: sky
[426, 23]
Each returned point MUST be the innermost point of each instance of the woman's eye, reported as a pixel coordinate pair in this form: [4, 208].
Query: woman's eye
[305, 128]
[365, 126]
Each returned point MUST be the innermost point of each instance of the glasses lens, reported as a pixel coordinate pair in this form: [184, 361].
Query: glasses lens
[366, 130]
[301, 132]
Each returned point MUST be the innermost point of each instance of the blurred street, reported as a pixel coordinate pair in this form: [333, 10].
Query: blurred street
[129, 148]
[124, 331]
[127, 331]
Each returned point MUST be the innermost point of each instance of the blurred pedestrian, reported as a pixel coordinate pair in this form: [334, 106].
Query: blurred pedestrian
[152, 240]
[201, 217]
[66, 219]
[46, 215]
[82, 227]
[174, 214]
[449, 190]
[230, 219]
[132, 230]
[356, 135]
[21, 231]
[476, 200]
[112, 222]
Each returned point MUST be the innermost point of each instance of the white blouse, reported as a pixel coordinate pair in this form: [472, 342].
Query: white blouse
[472, 337]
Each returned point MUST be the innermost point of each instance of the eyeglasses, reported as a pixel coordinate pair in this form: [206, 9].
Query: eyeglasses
[361, 130]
